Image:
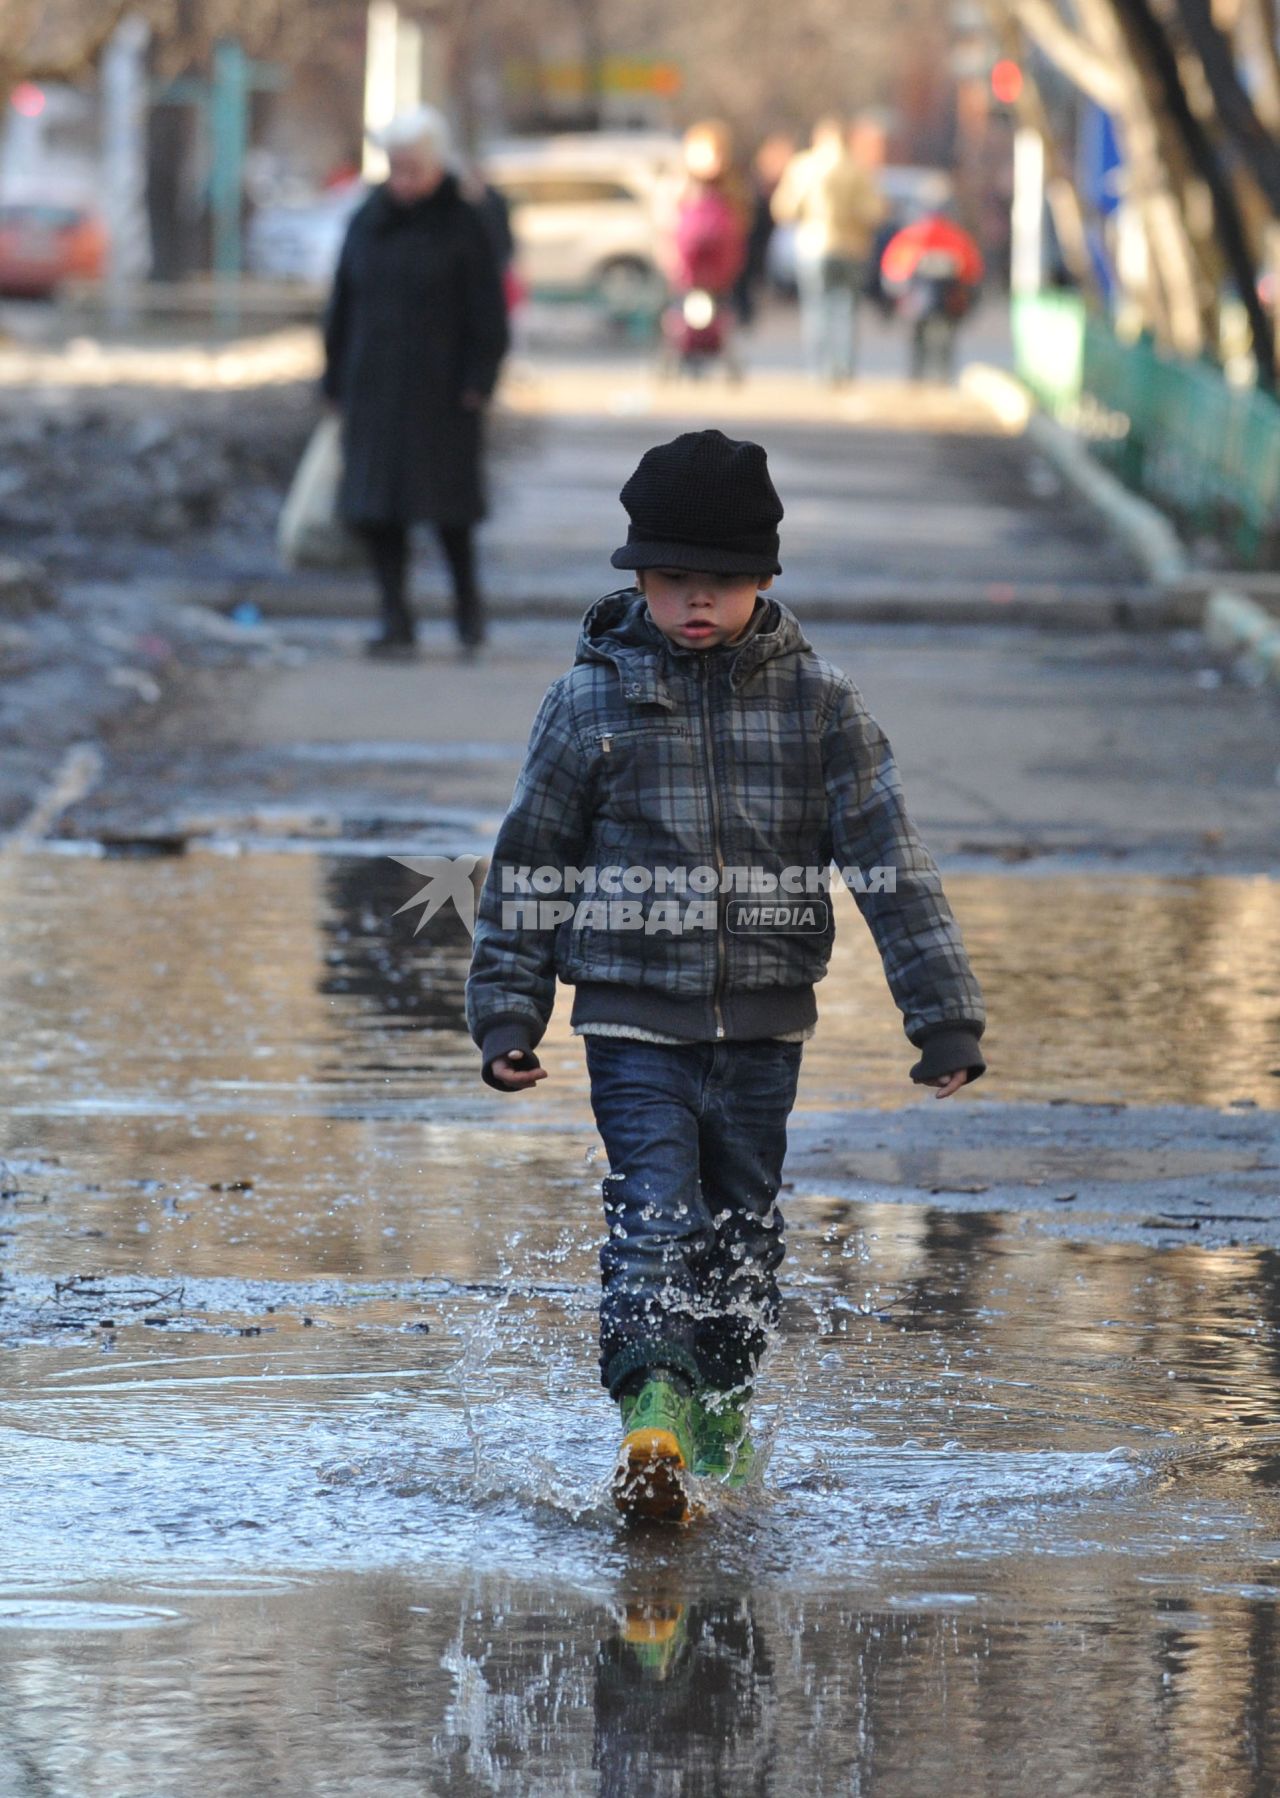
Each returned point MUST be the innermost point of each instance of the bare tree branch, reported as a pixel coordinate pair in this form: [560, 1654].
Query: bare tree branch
[1235, 108]
[1078, 60]
[1231, 232]
[1255, 33]
[53, 40]
[1154, 173]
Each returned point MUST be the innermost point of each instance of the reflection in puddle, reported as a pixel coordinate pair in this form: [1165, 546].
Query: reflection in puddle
[402, 1684]
[285, 979]
[300, 1356]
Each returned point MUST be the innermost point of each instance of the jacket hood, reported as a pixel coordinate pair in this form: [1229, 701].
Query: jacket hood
[618, 629]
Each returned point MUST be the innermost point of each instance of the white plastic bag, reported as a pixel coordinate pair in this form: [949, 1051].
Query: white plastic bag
[310, 533]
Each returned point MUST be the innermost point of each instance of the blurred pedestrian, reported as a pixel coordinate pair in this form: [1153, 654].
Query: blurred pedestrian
[835, 206]
[767, 168]
[707, 247]
[935, 269]
[415, 333]
[868, 144]
[711, 210]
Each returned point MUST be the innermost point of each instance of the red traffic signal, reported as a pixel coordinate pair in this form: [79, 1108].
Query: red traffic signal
[27, 99]
[1006, 81]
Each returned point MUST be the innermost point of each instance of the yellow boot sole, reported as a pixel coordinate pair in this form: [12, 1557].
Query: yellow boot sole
[650, 1478]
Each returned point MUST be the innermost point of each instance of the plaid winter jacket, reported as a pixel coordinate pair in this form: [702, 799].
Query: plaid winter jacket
[672, 805]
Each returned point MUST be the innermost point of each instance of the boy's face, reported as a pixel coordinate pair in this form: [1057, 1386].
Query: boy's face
[700, 611]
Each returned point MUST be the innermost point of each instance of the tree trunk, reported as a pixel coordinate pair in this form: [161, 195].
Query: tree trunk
[1096, 59]
[1177, 278]
[1235, 108]
[1230, 231]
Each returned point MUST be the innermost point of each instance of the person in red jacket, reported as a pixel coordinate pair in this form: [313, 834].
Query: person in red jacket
[935, 268]
[706, 249]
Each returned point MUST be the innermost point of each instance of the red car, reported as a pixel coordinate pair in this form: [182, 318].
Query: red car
[41, 246]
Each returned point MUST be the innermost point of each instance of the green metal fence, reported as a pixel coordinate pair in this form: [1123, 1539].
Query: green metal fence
[1175, 430]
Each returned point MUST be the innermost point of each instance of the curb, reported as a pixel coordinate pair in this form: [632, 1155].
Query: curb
[1239, 627]
[1145, 530]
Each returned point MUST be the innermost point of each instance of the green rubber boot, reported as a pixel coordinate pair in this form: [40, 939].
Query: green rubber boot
[658, 1449]
[725, 1450]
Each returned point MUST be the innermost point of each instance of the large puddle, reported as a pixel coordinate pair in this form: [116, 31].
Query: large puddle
[302, 1450]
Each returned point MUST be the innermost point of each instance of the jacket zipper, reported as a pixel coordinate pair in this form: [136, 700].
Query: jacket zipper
[708, 744]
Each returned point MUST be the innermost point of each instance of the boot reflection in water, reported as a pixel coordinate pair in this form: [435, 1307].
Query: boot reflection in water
[685, 1691]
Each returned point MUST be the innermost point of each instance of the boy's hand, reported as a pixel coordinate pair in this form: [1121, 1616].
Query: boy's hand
[945, 1084]
[508, 1071]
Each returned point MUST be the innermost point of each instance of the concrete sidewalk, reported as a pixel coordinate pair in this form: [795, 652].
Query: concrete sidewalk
[904, 502]
[1014, 745]
[894, 492]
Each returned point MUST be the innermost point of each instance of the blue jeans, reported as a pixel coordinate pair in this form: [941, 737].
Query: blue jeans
[830, 290]
[695, 1134]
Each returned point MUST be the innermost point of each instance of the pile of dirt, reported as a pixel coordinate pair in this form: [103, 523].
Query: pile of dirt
[114, 483]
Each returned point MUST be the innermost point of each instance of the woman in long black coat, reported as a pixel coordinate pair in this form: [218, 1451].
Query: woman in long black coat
[415, 332]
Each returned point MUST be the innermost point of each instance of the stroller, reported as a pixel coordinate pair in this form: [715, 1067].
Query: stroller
[708, 254]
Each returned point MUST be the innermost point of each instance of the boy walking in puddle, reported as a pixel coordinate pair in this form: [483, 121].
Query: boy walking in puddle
[687, 786]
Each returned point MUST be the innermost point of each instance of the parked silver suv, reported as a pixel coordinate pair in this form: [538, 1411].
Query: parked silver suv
[584, 210]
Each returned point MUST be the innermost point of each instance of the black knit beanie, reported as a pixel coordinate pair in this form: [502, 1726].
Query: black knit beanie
[703, 502]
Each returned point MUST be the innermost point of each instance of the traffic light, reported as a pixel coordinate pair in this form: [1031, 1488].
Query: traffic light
[27, 99]
[1006, 81]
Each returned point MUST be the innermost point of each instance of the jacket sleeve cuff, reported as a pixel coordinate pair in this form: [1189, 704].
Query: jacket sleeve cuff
[946, 1051]
[501, 1039]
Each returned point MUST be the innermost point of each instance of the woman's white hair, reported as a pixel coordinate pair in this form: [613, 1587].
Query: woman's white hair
[425, 128]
